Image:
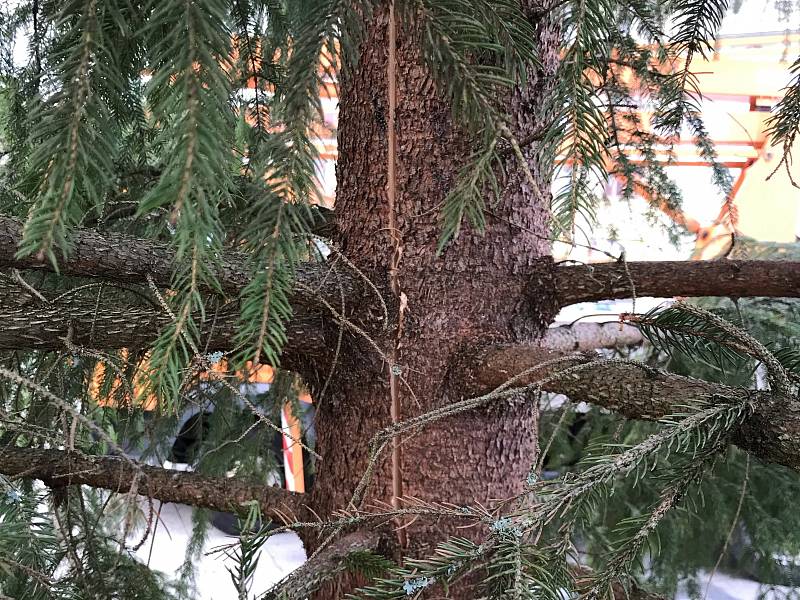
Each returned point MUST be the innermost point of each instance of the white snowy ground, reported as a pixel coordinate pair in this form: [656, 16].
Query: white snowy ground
[284, 552]
[281, 554]
[725, 587]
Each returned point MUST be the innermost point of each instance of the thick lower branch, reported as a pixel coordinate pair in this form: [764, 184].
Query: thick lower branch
[639, 392]
[60, 468]
[734, 278]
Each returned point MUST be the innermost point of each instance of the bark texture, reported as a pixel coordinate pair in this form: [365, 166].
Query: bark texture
[772, 433]
[124, 259]
[473, 291]
[113, 256]
[110, 325]
[35, 325]
[120, 258]
[59, 468]
[734, 278]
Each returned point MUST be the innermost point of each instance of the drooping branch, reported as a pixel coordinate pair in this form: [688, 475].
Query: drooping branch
[638, 392]
[733, 278]
[59, 468]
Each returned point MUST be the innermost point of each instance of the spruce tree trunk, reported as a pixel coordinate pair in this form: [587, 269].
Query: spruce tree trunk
[471, 295]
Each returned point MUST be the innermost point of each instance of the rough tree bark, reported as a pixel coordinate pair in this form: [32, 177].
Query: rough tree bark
[112, 324]
[734, 278]
[59, 468]
[460, 323]
[639, 392]
[473, 293]
[127, 260]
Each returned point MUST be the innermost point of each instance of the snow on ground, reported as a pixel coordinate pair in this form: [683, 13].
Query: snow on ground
[281, 554]
[725, 587]
[284, 552]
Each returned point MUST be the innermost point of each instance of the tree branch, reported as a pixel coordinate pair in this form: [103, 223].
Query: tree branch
[631, 591]
[127, 259]
[772, 433]
[315, 572]
[734, 278]
[112, 256]
[40, 326]
[58, 468]
[333, 559]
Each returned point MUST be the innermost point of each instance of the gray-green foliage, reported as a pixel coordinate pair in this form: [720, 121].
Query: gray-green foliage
[692, 537]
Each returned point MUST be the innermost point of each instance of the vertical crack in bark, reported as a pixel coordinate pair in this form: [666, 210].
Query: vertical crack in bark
[397, 253]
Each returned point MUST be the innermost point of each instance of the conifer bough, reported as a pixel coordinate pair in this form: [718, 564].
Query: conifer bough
[469, 133]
